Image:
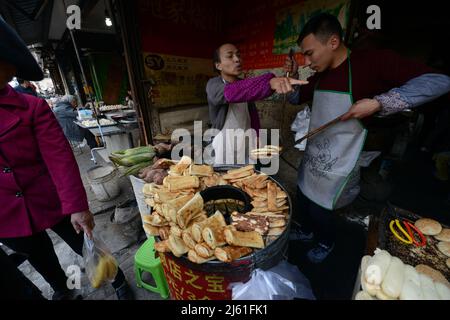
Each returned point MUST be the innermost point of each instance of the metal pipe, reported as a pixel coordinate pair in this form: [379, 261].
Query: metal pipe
[83, 75]
[87, 91]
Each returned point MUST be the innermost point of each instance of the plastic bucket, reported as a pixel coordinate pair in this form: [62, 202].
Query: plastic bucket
[104, 182]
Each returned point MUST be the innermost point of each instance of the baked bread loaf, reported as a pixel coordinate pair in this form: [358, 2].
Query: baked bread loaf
[150, 230]
[230, 253]
[164, 232]
[194, 257]
[203, 250]
[170, 208]
[177, 246]
[190, 211]
[216, 220]
[187, 238]
[162, 246]
[244, 239]
[214, 236]
[201, 170]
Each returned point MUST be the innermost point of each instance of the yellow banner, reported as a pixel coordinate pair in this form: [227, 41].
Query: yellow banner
[177, 80]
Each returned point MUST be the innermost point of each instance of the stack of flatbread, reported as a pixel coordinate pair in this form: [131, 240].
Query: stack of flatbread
[266, 152]
[268, 200]
[179, 219]
[433, 228]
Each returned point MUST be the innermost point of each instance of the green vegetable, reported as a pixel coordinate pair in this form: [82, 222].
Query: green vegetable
[135, 159]
[133, 156]
[145, 149]
[135, 169]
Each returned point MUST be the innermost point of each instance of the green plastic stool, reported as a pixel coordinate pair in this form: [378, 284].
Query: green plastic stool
[145, 260]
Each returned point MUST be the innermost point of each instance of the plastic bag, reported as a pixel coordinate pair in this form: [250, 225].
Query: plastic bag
[301, 126]
[282, 282]
[101, 266]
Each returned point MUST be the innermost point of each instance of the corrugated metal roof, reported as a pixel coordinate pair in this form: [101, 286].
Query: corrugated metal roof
[21, 15]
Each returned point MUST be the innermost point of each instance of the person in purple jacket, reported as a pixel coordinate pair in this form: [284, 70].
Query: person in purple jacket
[40, 183]
[234, 120]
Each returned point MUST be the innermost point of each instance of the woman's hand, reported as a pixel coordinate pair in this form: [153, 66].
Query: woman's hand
[284, 85]
[83, 221]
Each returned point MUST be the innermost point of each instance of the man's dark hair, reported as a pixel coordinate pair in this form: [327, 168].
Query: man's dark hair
[322, 26]
[216, 59]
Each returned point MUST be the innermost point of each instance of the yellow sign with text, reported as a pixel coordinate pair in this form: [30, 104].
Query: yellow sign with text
[177, 80]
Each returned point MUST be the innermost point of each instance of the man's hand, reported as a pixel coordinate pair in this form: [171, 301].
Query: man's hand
[284, 85]
[83, 221]
[291, 66]
[361, 109]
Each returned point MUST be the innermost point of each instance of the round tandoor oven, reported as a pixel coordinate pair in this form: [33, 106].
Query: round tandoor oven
[210, 280]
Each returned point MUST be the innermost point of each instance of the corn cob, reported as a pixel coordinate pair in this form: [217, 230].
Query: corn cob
[135, 169]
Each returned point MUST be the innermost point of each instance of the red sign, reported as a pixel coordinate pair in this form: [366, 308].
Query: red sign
[192, 284]
[253, 33]
[188, 28]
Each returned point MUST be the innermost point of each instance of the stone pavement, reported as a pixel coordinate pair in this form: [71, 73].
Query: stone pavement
[109, 232]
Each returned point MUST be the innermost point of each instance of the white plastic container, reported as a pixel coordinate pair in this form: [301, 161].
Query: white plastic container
[144, 208]
[104, 182]
[138, 185]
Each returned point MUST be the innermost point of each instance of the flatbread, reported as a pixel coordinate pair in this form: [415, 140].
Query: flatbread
[428, 227]
[444, 247]
[444, 235]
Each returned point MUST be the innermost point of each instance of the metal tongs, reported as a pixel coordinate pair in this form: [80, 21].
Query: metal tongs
[319, 129]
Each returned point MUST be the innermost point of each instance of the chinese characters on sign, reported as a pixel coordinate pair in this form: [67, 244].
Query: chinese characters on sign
[177, 80]
[187, 284]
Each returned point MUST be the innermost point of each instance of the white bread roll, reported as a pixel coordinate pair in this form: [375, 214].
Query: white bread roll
[412, 274]
[442, 290]
[363, 267]
[383, 296]
[363, 295]
[371, 289]
[377, 267]
[393, 280]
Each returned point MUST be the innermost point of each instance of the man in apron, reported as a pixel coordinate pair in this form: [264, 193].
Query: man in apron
[233, 116]
[352, 84]
[328, 177]
[233, 120]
